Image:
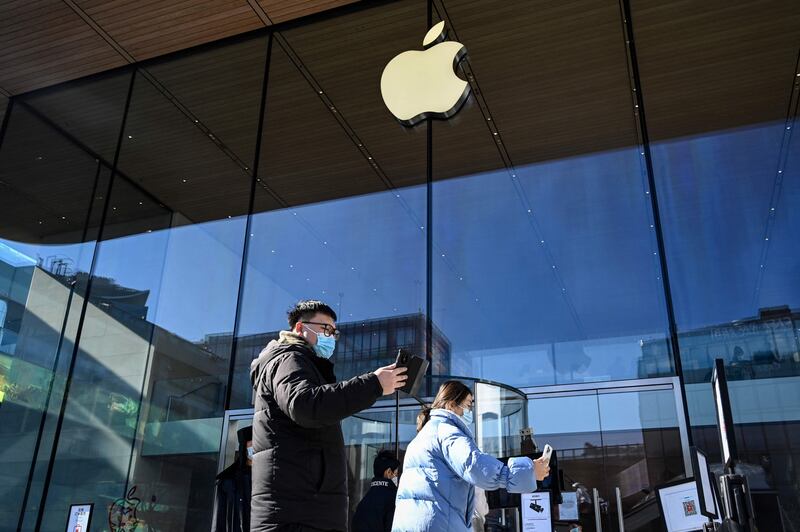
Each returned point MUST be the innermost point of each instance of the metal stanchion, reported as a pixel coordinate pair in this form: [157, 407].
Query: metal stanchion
[597, 521]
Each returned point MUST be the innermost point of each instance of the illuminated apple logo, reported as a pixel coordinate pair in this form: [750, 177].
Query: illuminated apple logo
[416, 84]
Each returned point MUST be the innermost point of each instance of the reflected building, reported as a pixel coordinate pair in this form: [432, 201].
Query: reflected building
[363, 347]
[762, 347]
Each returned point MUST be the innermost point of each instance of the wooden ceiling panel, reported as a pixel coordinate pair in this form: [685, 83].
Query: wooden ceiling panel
[556, 89]
[713, 65]
[43, 178]
[90, 110]
[164, 153]
[221, 87]
[305, 155]
[147, 30]
[43, 42]
[349, 69]
[285, 10]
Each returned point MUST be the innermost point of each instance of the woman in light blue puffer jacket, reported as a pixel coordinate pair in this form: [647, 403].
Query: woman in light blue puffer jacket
[443, 465]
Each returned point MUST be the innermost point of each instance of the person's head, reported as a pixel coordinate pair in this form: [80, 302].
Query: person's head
[454, 396]
[316, 323]
[575, 527]
[386, 465]
[245, 437]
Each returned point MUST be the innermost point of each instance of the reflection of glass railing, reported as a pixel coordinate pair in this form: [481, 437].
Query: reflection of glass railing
[190, 405]
[23, 383]
[500, 412]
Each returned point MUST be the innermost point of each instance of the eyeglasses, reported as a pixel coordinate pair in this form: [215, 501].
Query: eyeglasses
[327, 329]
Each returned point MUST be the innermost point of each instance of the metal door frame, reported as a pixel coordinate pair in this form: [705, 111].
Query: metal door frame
[230, 415]
[632, 385]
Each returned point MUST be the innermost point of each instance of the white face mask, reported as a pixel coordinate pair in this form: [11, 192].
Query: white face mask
[396, 480]
[250, 453]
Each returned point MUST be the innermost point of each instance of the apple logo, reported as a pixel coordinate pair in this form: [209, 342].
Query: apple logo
[122, 513]
[416, 84]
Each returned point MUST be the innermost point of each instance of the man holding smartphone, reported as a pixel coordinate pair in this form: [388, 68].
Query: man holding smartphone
[299, 465]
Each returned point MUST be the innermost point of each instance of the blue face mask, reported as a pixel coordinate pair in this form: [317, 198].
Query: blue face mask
[467, 417]
[325, 344]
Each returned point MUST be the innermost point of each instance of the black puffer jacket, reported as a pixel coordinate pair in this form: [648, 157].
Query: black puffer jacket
[300, 467]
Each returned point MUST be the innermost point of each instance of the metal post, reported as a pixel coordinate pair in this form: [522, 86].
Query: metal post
[397, 425]
[596, 498]
[619, 510]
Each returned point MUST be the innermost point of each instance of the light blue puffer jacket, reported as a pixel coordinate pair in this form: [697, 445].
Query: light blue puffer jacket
[442, 466]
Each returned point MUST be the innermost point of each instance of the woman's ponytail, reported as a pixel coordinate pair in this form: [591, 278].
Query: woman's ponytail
[423, 417]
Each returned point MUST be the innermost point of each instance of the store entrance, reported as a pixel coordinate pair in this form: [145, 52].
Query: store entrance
[614, 442]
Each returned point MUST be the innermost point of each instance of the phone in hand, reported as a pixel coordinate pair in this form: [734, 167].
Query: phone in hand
[416, 368]
[548, 450]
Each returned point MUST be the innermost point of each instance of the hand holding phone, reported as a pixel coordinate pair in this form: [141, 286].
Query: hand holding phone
[416, 368]
[548, 451]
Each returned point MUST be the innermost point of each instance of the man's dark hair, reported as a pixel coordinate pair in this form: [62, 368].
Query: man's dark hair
[385, 460]
[306, 309]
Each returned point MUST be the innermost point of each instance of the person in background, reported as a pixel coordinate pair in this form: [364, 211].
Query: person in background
[232, 500]
[443, 466]
[375, 512]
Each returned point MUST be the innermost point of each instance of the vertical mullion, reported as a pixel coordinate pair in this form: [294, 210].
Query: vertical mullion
[248, 226]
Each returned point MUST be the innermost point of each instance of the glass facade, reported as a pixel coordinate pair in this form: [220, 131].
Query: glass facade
[157, 221]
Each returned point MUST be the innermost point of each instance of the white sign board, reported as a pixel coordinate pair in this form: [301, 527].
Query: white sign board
[681, 507]
[536, 516]
[568, 509]
[79, 517]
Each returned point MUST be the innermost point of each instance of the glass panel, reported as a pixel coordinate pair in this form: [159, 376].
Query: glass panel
[231, 440]
[641, 449]
[542, 226]
[147, 400]
[337, 215]
[3, 107]
[365, 435]
[726, 160]
[89, 109]
[500, 414]
[628, 440]
[51, 196]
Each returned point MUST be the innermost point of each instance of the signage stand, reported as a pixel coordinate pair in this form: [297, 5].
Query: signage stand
[737, 505]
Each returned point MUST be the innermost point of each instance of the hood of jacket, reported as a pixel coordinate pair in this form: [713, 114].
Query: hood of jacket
[289, 341]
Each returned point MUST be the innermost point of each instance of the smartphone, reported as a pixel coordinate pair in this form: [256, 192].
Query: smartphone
[548, 450]
[415, 370]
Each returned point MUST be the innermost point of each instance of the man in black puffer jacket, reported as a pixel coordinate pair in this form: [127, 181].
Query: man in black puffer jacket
[299, 466]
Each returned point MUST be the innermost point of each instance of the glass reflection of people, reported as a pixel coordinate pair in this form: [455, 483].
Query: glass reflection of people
[232, 500]
[300, 465]
[443, 466]
[376, 510]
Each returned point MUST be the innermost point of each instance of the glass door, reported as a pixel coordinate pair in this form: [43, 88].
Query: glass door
[500, 414]
[614, 445]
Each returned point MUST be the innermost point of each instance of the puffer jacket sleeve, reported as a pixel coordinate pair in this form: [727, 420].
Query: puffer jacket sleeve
[310, 405]
[483, 470]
